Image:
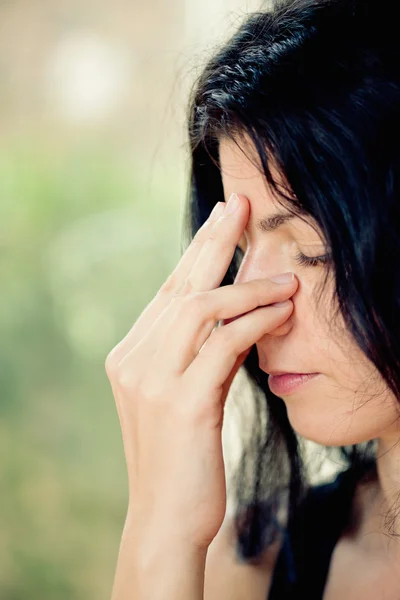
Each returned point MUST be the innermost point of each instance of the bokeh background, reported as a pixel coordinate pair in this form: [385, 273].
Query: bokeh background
[93, 176]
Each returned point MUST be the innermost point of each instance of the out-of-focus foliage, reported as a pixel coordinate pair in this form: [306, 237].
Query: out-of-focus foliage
[93, 175]
[85, 243]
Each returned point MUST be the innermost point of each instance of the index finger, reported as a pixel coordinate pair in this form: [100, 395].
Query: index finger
[167, 290]
[218, 250]
[189, 258]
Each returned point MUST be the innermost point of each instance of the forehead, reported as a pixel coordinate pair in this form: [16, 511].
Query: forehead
[241, 165]
[242, 173]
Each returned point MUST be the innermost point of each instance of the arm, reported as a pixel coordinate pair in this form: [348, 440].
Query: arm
[170, 393]
[169, 573]
[228, 578]
[157, 571]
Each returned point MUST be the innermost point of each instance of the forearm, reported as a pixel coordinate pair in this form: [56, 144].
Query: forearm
[157, 571]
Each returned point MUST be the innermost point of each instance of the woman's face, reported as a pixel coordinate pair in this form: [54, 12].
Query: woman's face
[348, 402]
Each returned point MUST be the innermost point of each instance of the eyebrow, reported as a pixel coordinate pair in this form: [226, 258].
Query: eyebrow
[274, 221]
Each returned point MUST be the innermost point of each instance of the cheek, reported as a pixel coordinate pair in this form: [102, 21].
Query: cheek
[342, 425]
[351, 404]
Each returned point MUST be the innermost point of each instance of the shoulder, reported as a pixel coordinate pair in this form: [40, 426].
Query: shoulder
[311, 535]
[240, 570]
[314, 528]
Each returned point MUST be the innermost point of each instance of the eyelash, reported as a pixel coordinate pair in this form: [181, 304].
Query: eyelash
[308, 261]
[312, 261]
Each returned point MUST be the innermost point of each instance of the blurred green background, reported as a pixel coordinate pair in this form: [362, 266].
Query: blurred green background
[93, 175]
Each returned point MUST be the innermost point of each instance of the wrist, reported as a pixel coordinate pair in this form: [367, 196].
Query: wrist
[156, 535]
[170, 571]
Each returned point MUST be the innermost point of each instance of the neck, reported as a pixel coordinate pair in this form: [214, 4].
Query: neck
[381, 501]
[388, 471]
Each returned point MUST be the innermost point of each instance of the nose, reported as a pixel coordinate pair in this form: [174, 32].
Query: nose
[262, 267]
[251, 269]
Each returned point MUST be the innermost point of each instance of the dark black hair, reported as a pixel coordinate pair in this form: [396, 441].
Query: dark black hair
[316, 86]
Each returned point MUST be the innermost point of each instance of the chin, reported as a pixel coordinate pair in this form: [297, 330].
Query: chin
[330, 428]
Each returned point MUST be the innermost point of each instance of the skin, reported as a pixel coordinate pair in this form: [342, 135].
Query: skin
[349, 402]
[170, 376]
[171, 373]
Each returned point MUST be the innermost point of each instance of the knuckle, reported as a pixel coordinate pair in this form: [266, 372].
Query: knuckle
[258, 286]
[223, 338]
[126, 381]
[197, 302]
[110, 363]
[126, 377]
[169, 286]
[177, 301]
[215, 236]
[212, 236]
[258, 291]
[186, 288]
[199, 236]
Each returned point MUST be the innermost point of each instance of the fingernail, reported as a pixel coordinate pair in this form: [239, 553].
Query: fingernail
[283, 278]
[233, 204]
[217, 210]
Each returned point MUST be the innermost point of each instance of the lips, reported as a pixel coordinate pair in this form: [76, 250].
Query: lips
[287, 373]
[287, 383]
[279, 372]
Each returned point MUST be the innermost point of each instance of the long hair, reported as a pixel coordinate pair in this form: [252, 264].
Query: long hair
[315, 84]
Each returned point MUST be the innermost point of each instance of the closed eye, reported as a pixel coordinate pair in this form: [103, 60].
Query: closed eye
[312, 261]
[302, 259]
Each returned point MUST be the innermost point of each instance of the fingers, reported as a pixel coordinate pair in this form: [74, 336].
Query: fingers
[218, 249]
[187, 327]
[213, 365]
[184, 267]
[202, 267]
[197, 270]
[167, 290]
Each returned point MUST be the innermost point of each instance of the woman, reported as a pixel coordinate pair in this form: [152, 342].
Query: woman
[295, 120]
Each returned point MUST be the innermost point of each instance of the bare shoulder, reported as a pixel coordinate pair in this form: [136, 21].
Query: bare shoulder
[228, 578]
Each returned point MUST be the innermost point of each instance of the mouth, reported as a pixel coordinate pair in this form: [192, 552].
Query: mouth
[283, 383]
[286, 373]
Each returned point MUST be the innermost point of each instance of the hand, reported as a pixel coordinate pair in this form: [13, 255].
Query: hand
[171, 374]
